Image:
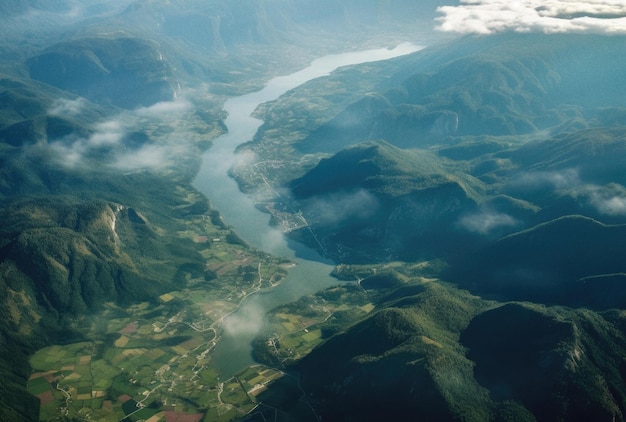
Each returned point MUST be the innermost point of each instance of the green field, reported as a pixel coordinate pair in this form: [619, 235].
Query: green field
[157, 354]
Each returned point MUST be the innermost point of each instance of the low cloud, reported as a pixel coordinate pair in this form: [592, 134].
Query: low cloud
[118, 143]
[558, 180]
[165, 109]
[609, 200]
[67, 107]
[247, 321]
[552, 16]
[106, 134]
[146, 157]
[72, 151]
[108, 147]
[485, 222]
[341, 206]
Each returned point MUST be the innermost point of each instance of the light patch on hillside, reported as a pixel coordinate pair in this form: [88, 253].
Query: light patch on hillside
[552, 16]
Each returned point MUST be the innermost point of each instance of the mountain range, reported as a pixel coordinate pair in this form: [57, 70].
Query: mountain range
[500, 155]
[473, 189]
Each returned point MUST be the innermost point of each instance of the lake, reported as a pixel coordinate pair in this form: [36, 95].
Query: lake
[311, 272]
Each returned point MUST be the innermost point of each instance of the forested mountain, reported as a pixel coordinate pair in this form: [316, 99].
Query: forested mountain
[500, 156]
[105, 108]
[471, 195]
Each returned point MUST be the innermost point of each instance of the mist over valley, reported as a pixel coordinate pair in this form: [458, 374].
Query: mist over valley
[312, 210]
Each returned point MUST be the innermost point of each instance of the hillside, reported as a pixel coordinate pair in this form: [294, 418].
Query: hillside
[500, 171]
[471, 194]
[485, 90]
[428, 348]
[127, 72]
[105, 109]
[545, 262]
[375, 199]
[549, 361]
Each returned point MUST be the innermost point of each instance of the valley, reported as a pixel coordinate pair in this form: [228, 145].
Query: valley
[312, 210]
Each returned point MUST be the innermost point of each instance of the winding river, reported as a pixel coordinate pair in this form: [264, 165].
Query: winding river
[311, 272]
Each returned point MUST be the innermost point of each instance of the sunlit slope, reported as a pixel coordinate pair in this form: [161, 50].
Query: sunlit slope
[505, 85]
[81, 254]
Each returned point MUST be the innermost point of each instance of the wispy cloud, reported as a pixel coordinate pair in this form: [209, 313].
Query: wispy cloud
[557, 179]
[486, 221]
[110, 145]
[551, 16]
[165, 109]
[72, 151]
[146, 157]
[609, 200]
[247, 321]
[341, 206]
[67, 107]
[107, 147]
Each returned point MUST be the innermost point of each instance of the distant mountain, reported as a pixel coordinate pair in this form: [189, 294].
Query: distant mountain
[222, 25]
[127, 72]
[478, 87]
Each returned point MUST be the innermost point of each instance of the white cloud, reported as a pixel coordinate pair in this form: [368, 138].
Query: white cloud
[67, 155]
[71, 151]
[247, 321]
[67, 107]
[609, 200]
[615, 205]
[106, 134]
[551, 16]
[106, 148]
[561, 179]
[165, 109]
[149, 156]
[338, 207]
[485, 222]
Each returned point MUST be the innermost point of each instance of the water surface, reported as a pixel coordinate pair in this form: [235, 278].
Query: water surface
[311, 272]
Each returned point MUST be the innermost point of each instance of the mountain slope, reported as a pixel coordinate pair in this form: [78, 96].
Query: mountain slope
[545, 262]
[402, 360]
[477, 87]
[127, 72]
[373, 199]
[549, 361]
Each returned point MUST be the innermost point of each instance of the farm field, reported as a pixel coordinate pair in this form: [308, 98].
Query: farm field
[151, 361]
[144, 369]
[297, 328]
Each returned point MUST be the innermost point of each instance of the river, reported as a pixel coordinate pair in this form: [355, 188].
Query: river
[311, 272]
